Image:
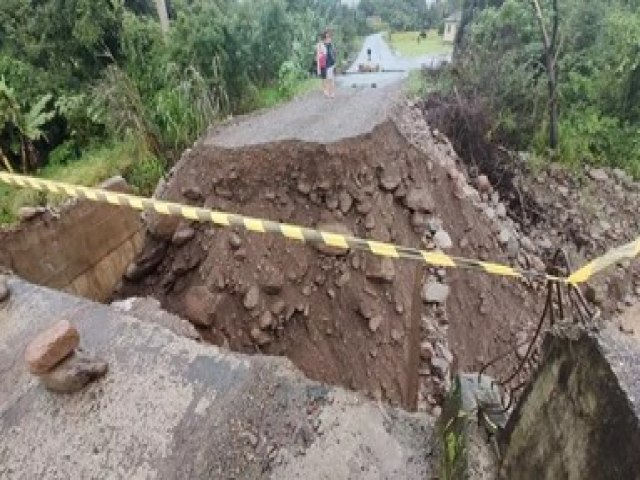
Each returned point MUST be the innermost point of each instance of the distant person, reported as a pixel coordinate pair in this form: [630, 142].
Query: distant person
[331, 64]
[368, 54]
[321, 63]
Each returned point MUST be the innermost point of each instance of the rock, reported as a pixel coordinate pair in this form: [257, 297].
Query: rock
[192, 193]
[252, 298]
[304, 187]
[182, 236]
[419, 200]
[200, 306]
[513, 248]
[116, 184]
[434, 292]
[162, 226]
[51, 346]
[483, 184]
[278, 307]
[28, 213]
[375, 322]
[266, 320]
[442, 240]
[338, 228]
[419, 221]
[440, 367]
[345, 202]
[381, 270]
[426, 350]
[595, 294]
[146, 262]
[4, 289]
[260, 337]
[504, 236]
[501, 210]
[367, 310]
[390, 178]
[272, 281]
[343, 279]
[598, 174]
[73, 373]
[235, 241]
[396, 335]
[369, 222]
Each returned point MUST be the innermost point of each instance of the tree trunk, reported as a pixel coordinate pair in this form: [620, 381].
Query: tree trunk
[23, 154]
[553, 106]
[161, 7]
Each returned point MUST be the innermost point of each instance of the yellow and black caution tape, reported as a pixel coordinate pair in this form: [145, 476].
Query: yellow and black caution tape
[302, 234]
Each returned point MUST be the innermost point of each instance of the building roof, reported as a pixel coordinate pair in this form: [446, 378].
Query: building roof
[454, 17]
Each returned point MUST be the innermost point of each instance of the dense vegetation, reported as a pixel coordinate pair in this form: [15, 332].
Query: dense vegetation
[408, 15]
[513, 60]
[82, 78]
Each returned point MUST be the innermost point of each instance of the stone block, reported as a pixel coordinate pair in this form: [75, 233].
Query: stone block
[51, 346]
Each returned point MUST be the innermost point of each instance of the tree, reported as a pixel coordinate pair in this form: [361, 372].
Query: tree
[551, 48]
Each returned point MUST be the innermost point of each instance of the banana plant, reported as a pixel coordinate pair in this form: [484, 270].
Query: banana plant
[27, 122]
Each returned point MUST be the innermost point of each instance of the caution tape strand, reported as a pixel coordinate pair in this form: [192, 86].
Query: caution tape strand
[307, 235]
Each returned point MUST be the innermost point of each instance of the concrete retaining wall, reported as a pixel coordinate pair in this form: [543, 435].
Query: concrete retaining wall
[580, 417]
[84, 250]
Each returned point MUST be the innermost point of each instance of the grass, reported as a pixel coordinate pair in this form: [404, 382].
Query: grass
[127, 158]
[407, 45]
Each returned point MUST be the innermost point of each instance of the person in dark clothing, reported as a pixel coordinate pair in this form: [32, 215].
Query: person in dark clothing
[331, 65]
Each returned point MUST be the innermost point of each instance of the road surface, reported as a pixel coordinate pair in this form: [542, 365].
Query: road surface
[362, 102]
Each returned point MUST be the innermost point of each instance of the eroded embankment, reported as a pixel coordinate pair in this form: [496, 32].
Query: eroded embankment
[348, 319]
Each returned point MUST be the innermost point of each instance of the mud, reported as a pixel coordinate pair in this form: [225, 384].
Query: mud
[348, 319]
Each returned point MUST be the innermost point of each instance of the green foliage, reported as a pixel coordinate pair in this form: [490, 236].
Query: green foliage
[499, 59]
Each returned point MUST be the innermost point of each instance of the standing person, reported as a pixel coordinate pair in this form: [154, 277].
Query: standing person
[331, 64]
[321, 64]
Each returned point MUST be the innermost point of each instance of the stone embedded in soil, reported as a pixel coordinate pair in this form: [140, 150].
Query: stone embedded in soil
[501, 210]
[426, 350]
[272, 281]
[343, 279]
[375, 322]
[442, 240]
[366, 309]
[4, 288]
[504, 236]
[419, 221]
[598, 174]
[260, 337]
[251, 298]
[369, 222]
[390, 178]
[27, 213]
[51, 346]
[434, 292]
[278, 307]
[266, 320]
[483, 184]
[381, 270]
[338, 228]
[192, 193]
[345, 202]
[73, 373]
[235, 241]
[200, 305]
[182, 236]
[440, 367]
[419, 200]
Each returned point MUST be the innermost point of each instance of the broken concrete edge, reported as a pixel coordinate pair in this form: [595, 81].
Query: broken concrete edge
[579, 416]
[467, 427]
[184, 409]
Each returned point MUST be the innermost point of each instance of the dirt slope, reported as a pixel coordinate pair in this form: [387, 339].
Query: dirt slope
[347, 319]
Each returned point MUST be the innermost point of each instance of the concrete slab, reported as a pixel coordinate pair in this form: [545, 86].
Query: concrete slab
[171, 407]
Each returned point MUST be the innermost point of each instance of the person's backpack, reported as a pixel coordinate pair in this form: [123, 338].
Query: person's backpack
[323, 60]
[331, 55]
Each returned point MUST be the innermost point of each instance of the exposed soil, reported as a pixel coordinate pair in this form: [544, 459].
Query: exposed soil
[348, 319]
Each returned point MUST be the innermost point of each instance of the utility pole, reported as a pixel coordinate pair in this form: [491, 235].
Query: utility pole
[161, 7]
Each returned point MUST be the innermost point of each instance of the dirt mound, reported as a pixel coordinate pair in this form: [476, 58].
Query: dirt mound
[346, 318]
